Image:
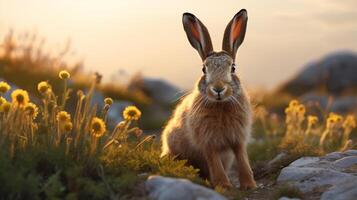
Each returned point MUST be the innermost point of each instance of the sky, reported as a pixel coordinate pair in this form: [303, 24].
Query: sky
[147, 36]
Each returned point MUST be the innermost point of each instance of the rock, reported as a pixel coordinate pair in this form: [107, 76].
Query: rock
[334, 174]
[158, 90]
[164, 188]
[287, 198]
[336, 73]
[346, 162]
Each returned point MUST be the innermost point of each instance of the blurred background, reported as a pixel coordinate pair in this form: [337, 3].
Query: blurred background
[295, 48]
[147, 36]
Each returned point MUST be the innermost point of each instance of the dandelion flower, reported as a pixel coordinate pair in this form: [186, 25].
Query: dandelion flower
[43, 86]
[4, 87]
[131, 113]
[108, 101]
[63, 117]
[301, 109]
[31, 110]
[312, 120]
[20, 97]
[68, 126]
[64, 75]
[98, 127]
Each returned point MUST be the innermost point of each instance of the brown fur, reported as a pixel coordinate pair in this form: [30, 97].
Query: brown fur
[211, 129]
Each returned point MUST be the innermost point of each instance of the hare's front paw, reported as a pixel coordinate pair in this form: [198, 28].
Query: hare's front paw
[248, 184]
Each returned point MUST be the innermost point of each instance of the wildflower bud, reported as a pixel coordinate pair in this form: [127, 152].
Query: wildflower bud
[108, 101]
[64, 75]
[4, 87]
[42, 87]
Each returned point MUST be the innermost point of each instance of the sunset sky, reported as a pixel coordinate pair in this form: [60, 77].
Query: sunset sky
[147, 35]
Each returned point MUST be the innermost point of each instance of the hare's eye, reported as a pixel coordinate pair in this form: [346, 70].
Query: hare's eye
[233, 68]
[204, 69]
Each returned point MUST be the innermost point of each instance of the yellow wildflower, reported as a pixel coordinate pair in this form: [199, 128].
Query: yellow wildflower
[131, 113]
[4, 87]
[312, 120]
[98, 127]
[20, 97]
[63, 117]
[31, 110]
[108, 101]
[64, 75]
[293, 103]
[43, 86]
[301, 109]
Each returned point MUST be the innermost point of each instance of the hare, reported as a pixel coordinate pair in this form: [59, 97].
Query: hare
[211, 124]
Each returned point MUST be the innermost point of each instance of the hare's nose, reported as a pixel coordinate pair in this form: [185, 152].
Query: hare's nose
[218, 89]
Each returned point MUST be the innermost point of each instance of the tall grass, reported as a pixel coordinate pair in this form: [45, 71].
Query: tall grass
[53, 153]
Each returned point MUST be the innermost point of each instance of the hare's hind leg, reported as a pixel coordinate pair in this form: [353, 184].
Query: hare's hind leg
[245, 172]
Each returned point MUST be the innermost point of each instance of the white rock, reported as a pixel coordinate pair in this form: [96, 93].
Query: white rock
[304, 161]
[346, 162]
[328, 173]
[164, 188]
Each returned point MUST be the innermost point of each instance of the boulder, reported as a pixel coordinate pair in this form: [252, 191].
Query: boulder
[165, 188]
[333, 174]
[158, 90]
[336, 73]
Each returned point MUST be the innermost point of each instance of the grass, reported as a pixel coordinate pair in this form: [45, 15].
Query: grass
[49, 153]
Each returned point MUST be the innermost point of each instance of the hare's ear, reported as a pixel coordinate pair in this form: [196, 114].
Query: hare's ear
[197, 34]
[235, 32]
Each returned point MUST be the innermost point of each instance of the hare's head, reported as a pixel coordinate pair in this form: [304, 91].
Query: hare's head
[219, 81]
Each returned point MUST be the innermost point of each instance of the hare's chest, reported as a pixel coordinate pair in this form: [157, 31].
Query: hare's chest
[218, 130]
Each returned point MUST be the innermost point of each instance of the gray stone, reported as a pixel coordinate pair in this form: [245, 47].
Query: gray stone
[287, 198]
[328, 173]
[333, 156]
[346, 162]
[165, 188]
[337, 72]
[158, 90]
[343, 191]
[351, 152]
[304, 161]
